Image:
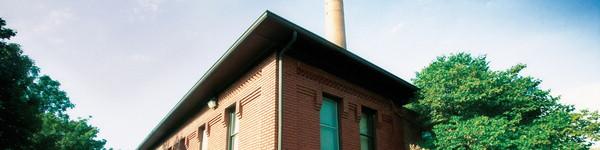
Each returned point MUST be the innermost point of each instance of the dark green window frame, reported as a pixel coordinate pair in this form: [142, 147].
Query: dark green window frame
[367, 129]
[329, 124]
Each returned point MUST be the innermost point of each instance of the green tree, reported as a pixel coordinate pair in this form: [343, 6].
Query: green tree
[33, 107]
[60, 133]
[466, 105]
[18, 111]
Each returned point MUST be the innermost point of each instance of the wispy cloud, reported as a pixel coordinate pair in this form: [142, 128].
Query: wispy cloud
[397, 27]
[149, 5]
[54, 19]
[146, 9]
[98, 49]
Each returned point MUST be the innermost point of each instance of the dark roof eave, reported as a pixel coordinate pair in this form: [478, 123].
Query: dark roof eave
[265, 35]
[329, 45]
[150, 140]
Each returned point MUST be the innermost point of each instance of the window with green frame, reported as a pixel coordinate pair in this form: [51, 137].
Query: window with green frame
[367, 132]
[329, 124]
[233, 129]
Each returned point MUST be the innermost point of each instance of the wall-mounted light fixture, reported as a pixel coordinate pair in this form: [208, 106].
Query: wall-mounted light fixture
[212, 103]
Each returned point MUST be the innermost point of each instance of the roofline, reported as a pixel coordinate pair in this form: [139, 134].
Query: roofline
[329, 44]
[155, 135]
[356, 57]
[210, 71]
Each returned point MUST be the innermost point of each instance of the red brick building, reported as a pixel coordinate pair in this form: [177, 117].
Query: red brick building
[282, 87]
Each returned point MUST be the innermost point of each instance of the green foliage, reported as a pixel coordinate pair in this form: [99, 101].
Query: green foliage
[32, 107]
[18, 112]
[468, 106]
[60, 133]
[54, 100]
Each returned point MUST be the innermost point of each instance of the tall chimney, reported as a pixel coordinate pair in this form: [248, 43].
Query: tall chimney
[334, 22]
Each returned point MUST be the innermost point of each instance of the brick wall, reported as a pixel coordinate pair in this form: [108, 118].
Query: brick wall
[304, 87]
[254, 97]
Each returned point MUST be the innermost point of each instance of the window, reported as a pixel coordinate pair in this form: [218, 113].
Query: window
[181, 144]
[203, 139]
[233, 129]
[367, 134]
[329, 125]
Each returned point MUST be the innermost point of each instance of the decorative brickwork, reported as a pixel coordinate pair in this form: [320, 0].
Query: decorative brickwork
[212, 122]
[302, 70]
[247, 99]
[254, 97]
[310, 95]
[355, 110]
[192, 136]
[302, 104]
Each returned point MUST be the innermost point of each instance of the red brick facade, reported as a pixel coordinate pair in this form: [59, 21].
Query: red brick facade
[305, 87]
[255, 98]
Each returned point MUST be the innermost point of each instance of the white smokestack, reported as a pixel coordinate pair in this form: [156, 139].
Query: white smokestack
[334, 22]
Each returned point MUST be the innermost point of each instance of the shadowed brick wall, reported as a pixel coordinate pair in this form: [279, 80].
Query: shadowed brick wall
[303, 93]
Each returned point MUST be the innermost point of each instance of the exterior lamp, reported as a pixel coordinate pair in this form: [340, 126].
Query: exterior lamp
[212, 103]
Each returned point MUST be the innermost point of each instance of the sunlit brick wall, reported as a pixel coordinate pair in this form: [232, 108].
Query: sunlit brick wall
[254, 97]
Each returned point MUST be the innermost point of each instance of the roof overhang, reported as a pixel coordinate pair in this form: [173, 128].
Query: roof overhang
[267, 35]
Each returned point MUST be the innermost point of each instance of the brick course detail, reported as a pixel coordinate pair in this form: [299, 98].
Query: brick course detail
[254, 97]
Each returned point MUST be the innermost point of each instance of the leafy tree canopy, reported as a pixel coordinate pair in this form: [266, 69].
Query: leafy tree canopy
[466, 105]
[33, 107]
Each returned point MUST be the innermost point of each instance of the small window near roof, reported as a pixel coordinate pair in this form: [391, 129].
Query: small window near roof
[329, 124]
[233, 129]
[203, 138]
[181, 144]
[367, 132]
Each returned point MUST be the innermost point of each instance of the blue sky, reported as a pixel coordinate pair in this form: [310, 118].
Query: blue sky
[128, 62]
